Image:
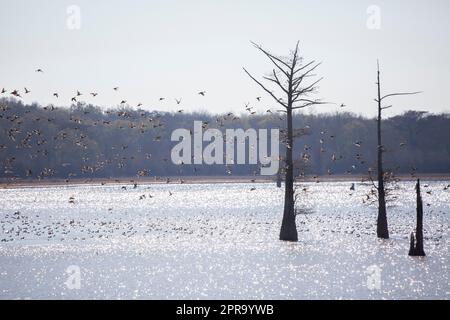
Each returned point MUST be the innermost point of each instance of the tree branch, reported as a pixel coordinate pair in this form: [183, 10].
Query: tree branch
[295, 58]
[400, 94]
[277, 81]
[274, 59]
[371, 180]
[304, 66]
[310, 104]
[296, 82]
[308, 89]
[310, 70]
[265, 89]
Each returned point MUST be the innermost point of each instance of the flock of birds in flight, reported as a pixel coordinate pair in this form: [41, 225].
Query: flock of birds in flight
[305, 155]
[156, 124]
[16, 93]
[78, 94]
[128, 230]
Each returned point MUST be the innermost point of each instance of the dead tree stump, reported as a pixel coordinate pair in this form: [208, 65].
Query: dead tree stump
[416, 244]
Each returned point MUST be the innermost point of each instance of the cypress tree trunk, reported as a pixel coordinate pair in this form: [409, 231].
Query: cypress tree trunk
[382, 224]
[417, 245]
[288, 230]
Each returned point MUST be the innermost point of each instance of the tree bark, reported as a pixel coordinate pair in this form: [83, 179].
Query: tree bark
[382, 224]
[417, 245]
[288, 230]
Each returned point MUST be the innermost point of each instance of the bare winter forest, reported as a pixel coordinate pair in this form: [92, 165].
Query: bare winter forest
[84, 141]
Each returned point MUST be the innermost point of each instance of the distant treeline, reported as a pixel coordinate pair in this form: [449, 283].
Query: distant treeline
[85, 141]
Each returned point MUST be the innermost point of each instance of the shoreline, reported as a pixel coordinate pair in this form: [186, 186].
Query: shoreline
[199, 180]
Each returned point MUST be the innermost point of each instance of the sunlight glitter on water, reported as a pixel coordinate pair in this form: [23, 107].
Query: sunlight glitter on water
[211, 241]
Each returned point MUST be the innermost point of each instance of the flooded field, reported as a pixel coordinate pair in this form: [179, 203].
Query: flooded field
[217, 241]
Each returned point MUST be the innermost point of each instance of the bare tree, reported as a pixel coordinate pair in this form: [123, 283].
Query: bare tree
[382, 224]
[290, 77]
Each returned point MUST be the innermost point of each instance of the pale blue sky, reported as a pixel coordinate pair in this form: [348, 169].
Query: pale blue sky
[174, 49]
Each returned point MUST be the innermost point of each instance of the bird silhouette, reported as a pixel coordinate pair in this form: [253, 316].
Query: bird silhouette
[202, 93]
[16, 93]
[39, 70]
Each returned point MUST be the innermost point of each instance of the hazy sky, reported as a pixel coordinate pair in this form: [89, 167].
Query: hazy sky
[174, 49]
